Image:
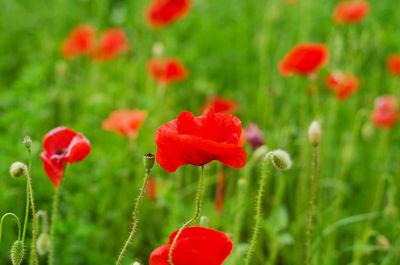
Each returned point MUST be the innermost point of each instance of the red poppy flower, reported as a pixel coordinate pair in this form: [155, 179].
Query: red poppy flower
[112, 43]
[125, 122]
[195, 246]
[199, 140]
[166, 70]
[386, 112]
[304, 59]
[393, 64]
[151, 190]
[343, 83]
[62, 145]
[162, 13]
[79, 42]
[220, 104]
[350, 11]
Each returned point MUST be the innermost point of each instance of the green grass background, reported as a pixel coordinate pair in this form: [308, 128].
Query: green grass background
[231, 48]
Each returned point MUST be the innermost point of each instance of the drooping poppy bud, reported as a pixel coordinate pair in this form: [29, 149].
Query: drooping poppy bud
[43, 243]
[17, 252]
[281, 160]
[18, 169]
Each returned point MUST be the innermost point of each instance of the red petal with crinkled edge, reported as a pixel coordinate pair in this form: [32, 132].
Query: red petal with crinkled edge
[58, 139]
[195, 246]
[78, 149]
[199, 140]
[54, 168]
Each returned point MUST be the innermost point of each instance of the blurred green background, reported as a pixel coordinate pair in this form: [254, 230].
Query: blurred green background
[231, 48]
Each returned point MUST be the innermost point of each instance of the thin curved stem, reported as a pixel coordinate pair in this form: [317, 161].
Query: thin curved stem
[258, 208]
[26, 211]
[53, 224]
[135, 213]
[45, 220]
[310, 217]
[194, 218]
[34, 234]
[18, 223]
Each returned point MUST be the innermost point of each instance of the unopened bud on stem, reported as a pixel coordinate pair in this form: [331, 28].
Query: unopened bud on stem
[280, 159]
[17, 252]
[27, 141]
[148, 161]
[314, 133]
[17, 169]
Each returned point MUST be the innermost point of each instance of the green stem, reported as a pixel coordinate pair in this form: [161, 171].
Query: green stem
[18, 223]
[53, 224]
[258, 209]
[194, 218]
[135, 213]
[310, 217]
[26, 211]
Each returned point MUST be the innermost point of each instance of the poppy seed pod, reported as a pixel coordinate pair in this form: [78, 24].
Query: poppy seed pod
[17, 252]
[27, 141]
[17, 169]
[43, 243]
[148, 161]
[281, 160]
[314, 133]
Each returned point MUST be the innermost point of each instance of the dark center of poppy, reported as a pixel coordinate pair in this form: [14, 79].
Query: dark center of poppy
[60, 151]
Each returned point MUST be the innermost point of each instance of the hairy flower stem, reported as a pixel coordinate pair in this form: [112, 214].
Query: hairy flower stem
[34, 234]
[258, 208]
[194, 218]
[26, 211]
[53, 224]
[312, 201]
[135, 213]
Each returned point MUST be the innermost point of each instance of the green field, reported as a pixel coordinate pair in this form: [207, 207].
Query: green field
[231, 49]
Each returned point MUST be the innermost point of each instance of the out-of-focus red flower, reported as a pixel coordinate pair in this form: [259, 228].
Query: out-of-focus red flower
[254, 136]
[350, 12]
[385, 112]
[220, 104]
[162, 13]
[80, 41]
[195, 246]
[151, 190]
[112, 43]
[219, 197]
[290, 1]
[166, 70]
[125, 122]
[344, 84]
[199, 140]
[62, 145]
[304, 59]
[393, 64]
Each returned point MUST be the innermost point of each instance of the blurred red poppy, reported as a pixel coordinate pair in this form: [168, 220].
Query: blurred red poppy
[219, 197]
[393, 64]
[385, 112]
[62, 145]
[344, 84]
[199, 140]
[220, 104]
[304, 59]
[254, 136]
[162, 13]
[151, 190]
[195, 246]
[112, 43]
[80, 41]
[166, 70]
[350, 11]
[125, 122]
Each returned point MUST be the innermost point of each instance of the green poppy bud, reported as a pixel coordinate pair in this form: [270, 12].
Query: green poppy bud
[148, 161]
[17, 252]
[17, 169]
[43, 243]
[281, 160]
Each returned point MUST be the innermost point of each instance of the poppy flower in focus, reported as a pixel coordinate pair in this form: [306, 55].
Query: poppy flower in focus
[125, 122]
[112, 43]
[162, 13]
[80, 41]
[254, 136]
[167, 70]
[344, 84]
[393, 64]
[199, 140]
[220, 104]
[62, 145]
[350, 11]
[385, 112]
[304, 59]
[195, 246]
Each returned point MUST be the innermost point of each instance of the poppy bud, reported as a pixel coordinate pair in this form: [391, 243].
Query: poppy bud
[43, 243]
[148, 161]
[158, 49]
[17, 252]
[281, 160]
[204, 221]
[17, 169]
[314, 133]
[27, 141]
